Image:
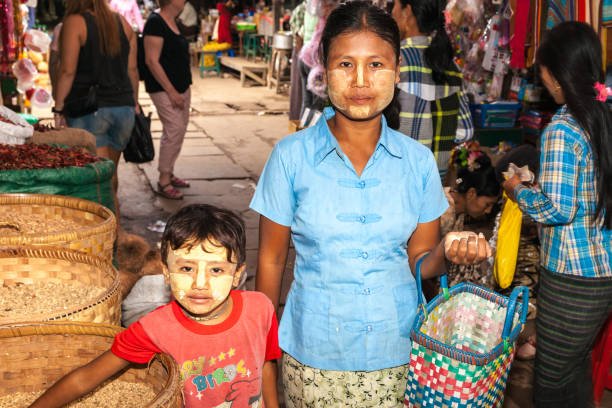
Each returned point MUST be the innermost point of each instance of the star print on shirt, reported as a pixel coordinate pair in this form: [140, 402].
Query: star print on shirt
[221, 356]
[199, 395]
[212, 361]
[231, 352]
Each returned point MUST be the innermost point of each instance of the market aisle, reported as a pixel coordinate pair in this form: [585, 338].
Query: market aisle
[230, 135]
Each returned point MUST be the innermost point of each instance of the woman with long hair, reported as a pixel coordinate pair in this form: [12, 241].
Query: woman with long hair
[168, 81]
[434, 109]
[573, 202]
[98, 47]
[362, 204]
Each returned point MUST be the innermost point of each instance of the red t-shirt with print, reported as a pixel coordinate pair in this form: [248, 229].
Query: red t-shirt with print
[220, 364]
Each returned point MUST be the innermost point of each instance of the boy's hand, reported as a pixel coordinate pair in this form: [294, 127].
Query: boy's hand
[81, 381]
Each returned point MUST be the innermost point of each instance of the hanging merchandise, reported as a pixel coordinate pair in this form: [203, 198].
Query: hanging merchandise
[7, 32]
[521, 26]
[37, 41]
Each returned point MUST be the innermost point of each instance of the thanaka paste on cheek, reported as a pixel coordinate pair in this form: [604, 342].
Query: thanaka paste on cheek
[220, 286]
[337, 84]
[384, 83]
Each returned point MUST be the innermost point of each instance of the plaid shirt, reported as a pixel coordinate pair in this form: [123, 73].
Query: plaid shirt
[565, 201]
[437, 115]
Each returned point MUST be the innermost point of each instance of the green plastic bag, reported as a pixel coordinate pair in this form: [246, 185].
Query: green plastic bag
[92, 182]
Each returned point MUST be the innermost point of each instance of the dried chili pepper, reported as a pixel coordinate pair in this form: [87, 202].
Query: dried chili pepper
[42, 156]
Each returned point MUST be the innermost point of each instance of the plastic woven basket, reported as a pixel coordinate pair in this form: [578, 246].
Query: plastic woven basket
[463, 346]
[95, 236]
[35, 264]
[36, 355]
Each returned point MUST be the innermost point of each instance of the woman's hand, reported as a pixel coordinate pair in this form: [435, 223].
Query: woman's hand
[510, 184]
[60, 121]
[177, 100]
[466, 248]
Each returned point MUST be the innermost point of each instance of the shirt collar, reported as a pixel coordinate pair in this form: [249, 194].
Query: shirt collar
[327, 143]
[421, 41]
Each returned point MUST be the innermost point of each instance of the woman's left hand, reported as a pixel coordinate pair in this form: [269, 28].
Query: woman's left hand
[466, 248]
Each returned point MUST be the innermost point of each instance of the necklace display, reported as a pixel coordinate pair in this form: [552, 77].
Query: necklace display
[205, 318]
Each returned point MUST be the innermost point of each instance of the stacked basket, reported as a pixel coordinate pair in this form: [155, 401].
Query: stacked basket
[62, 241]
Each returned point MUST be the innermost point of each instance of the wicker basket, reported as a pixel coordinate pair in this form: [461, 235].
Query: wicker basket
[35, 264]
[98, 226]
[36, 355]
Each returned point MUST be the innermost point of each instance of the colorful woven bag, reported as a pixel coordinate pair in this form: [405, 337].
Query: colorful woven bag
[463, 346]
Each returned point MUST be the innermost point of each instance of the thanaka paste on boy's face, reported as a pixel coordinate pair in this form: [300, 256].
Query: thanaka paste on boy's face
[361, 81]
[201, 278]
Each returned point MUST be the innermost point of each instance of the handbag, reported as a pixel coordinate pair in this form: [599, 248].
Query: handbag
[140, 147]
[463, 346]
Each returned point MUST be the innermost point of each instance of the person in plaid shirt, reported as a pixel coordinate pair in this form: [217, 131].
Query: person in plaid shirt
[434, 109]
[573, 202]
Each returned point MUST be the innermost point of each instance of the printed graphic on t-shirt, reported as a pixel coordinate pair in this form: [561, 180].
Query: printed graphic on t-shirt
[223, 379]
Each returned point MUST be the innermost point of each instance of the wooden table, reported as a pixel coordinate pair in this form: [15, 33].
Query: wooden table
[257, 71]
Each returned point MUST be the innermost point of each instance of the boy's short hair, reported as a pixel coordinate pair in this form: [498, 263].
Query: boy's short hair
[196, 223]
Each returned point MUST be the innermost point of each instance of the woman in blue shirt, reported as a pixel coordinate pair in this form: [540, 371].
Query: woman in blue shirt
[362, 204]
[573, 202]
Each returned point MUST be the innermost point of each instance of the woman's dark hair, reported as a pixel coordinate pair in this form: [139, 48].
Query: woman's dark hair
[571, 52]
[196, 223]
[358, 16]
[430, 18]
[482, 179]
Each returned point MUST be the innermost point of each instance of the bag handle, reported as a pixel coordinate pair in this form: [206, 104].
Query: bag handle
[417, 278]
[523, 292]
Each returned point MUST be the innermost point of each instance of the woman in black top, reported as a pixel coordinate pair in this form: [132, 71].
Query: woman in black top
[97, 46]
[168, 81]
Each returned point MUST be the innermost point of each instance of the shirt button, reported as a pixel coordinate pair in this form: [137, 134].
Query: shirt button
[364, 255]
[369, 328]
[362, 184]
[362, 219]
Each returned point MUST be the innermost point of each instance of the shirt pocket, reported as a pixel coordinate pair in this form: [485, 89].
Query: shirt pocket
[311, 319]
[406, 302]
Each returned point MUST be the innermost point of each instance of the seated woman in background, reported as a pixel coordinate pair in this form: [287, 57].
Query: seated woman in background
[475, 193]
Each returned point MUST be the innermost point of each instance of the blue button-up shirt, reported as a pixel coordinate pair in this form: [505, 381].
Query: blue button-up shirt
[353, 300]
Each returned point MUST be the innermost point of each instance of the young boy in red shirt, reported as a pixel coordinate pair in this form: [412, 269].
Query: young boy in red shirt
[225, 341]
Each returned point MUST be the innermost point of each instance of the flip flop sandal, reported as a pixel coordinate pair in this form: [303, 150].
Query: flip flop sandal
[179, 182]
[170, 193]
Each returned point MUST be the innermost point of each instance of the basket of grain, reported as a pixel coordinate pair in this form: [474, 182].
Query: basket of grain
[42, 284]
[35, 355]
[51, 220]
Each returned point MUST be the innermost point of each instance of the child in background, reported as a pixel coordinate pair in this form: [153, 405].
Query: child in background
[208, 329]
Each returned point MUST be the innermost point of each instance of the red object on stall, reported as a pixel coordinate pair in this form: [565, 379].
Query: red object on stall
[602, 360]
[521, 25]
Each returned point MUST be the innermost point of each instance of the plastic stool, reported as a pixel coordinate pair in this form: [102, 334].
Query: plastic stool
[602, 359]
[215, 67]
[253, 45]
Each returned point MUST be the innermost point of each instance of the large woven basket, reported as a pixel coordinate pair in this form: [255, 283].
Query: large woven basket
[36, 355]
[96, 234]
[58, 265]
[463, 346]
